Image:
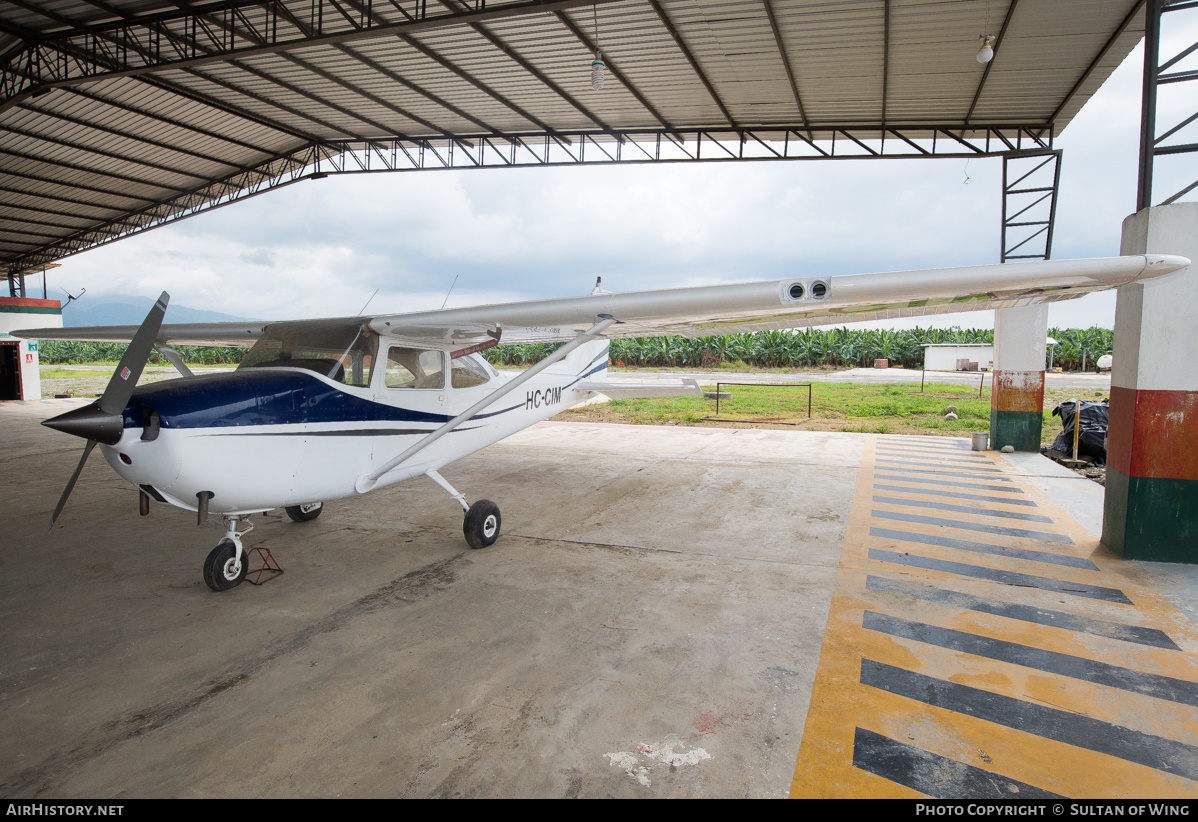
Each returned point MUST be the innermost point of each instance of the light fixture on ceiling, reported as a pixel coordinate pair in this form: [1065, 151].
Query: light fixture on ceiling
[597, 72]
[986, 52]
[597, 65]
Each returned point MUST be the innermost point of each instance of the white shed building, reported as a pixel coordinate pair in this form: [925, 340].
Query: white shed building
[944, 356]
[19, 375]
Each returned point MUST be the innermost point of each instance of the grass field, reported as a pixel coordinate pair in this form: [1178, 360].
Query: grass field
[864, 408]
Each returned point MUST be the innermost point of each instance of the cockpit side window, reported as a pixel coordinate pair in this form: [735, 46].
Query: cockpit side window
[468, 372]
[343, 351]
[414, 368]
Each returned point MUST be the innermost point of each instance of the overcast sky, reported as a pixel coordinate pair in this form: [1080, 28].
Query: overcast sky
[321, 248]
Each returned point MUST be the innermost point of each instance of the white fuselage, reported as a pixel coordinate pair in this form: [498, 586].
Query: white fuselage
[264, 438]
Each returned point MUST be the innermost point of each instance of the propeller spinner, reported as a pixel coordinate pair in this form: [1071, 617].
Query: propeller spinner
[103, 420]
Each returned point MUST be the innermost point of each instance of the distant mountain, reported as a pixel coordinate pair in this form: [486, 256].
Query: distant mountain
[123, 309]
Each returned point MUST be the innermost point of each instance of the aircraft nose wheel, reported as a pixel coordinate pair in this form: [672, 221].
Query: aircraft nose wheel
[224, 569]
[481, 525]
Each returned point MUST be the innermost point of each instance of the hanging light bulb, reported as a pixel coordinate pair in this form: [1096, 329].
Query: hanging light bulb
[597, 67]
[986, 52]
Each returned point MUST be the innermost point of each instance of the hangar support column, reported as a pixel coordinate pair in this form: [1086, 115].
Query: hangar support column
[1151, 507]
[1017, 396]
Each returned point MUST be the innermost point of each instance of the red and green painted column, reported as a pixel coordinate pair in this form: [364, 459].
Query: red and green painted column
[1151, 508]
[1017, 396]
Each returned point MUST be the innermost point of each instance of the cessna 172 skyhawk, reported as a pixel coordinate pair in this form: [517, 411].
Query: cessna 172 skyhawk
[325, 409]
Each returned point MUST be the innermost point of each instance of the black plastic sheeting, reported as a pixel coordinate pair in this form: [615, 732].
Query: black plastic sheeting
[1092, 440]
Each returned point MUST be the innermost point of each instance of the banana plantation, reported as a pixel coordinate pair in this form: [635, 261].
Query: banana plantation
[811, 348]
[804, 348]
[75, 352]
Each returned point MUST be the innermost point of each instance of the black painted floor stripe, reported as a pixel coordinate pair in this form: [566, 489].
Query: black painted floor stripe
[1010, 489]
[1045, 536]
[1166, 755]
[1026, 613]
[1004, 577]
[943, 453]
[1024, 554]
[933, 774]
[964, 509]
[962, 474]
[905, 463]
[919, 453]
[1075, 667]
[926, 442]
[957, 495]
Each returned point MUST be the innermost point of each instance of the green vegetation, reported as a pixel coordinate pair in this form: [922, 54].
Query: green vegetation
[49, 373]
[75, 352]
[860, 408]
[803, 348]
[808, 348]
[873, 409]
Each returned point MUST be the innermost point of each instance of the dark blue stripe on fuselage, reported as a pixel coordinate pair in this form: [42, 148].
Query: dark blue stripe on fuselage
[260, 397]
[273, 397]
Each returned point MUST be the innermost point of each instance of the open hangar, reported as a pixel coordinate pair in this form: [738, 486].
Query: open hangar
[621, 640]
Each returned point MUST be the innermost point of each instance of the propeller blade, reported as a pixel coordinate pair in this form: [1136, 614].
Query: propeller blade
[124, 379]
[66, 492]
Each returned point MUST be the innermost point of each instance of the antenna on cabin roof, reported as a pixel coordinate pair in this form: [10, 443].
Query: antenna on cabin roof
[450, 291]
[368, 302]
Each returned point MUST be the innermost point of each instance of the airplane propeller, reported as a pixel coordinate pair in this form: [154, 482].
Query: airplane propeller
[103, 420]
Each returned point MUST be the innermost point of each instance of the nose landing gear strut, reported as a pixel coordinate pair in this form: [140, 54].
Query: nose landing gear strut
[226, 565]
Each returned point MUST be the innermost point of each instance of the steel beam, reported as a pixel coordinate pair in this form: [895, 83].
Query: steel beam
[185, 39]
[694, 63]
[520, 60]
[612, 67]
[790, 74]
[977, 95]
[494, 150]
[1152, 145]
[1029, 204]
[1131, 15]
[1152, 40]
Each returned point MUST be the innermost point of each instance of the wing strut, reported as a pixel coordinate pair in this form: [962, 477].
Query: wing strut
[368, 481]
[174, 358]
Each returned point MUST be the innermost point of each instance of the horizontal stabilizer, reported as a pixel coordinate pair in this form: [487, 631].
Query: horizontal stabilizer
[632, 390]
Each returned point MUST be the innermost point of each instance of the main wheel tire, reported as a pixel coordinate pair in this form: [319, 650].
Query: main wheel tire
[481, 525]
[221, 570]
[306, 512]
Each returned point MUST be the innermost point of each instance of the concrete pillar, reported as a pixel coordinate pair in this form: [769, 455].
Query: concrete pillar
[1151, 507]
[1017, 396]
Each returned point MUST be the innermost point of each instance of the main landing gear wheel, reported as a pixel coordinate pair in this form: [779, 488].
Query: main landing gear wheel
[306, 512]
[481, 526]
[222, 571]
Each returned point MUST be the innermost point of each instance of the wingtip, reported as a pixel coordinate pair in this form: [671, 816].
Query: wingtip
[1158, 265]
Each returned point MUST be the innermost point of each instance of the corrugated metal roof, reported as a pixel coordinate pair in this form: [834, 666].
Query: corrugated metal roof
[122, 114]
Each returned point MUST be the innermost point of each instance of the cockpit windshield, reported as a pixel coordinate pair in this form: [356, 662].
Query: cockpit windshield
[342, 350]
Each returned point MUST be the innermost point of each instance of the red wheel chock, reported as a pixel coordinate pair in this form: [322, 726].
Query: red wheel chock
[269, 565]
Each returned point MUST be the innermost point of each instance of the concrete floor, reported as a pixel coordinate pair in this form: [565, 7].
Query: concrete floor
[648, 625]
[653, 622]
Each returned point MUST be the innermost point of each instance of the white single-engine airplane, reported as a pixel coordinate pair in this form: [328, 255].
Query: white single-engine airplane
[320, 410]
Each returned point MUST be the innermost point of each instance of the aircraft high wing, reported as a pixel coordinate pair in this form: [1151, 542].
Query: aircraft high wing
[718, 309]
[325, 409]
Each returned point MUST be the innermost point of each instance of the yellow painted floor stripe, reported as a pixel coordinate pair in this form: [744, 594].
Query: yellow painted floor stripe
[1119, 719]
